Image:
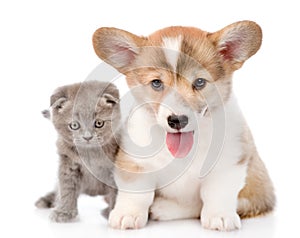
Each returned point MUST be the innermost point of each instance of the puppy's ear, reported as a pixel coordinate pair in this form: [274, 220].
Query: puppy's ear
[108, 100]
[58, 98]
[116, 47]
[237, 42]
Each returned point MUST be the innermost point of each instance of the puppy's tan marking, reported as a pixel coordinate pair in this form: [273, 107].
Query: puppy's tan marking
[257, 197]
[127, 169]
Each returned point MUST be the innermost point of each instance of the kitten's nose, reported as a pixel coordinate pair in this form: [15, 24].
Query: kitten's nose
[87, 138]
[178, 122]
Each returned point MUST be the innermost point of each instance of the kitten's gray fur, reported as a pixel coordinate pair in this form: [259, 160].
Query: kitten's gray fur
[85, 165]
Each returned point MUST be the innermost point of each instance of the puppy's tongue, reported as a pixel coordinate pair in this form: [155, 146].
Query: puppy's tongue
[180, 144]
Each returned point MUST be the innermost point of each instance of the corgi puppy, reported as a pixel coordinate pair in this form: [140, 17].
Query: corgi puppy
[187, 151]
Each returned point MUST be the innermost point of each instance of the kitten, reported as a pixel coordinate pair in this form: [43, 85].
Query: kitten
[87, 117]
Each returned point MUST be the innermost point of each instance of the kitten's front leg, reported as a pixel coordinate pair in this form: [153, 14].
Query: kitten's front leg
[68, 191]
[131, 210]
[219, 192]
[110, 198]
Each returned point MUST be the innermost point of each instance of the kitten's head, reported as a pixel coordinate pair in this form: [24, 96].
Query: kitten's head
[86, 114]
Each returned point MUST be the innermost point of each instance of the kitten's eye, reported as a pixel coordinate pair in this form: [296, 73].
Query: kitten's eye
[199, 83]
[99, 123]
[157, 85]
[74, 125]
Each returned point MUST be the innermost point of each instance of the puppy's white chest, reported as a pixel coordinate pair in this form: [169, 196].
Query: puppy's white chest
[184, 188]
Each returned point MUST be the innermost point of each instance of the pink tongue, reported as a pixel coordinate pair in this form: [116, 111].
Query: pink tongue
[180, 144]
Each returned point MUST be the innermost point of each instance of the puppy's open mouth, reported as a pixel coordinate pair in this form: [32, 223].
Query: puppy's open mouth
[180, 144]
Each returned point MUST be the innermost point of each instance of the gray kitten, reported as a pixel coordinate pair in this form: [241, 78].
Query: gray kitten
[86, 117]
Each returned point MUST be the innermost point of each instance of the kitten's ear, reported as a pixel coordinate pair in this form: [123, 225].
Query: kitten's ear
[108, 100]
[46, 113]
[117, 47]
[237, 42]
[58, 99]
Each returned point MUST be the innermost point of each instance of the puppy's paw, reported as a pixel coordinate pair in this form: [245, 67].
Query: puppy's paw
[164, 210]
[221, 222]
[127, 220]
[63, 216]
[158, 212]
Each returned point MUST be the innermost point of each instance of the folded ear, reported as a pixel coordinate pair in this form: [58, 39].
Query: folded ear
[116, 47]
[237, 42]
[58, 98]
[108, 100]
[46, 113]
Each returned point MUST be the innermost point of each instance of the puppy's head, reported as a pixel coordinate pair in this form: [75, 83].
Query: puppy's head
[179, 70]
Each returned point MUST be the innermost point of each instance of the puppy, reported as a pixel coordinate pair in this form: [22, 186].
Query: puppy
[196, 157]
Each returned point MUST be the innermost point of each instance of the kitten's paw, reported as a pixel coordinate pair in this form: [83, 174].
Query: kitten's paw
[43, 203]
[46, 201]
[63, 216]
[122, 220]
[221, 222]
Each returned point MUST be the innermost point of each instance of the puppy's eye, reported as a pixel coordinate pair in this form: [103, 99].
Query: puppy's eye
[74, 125]
[157, 85]
[199, 83]
[99, 123]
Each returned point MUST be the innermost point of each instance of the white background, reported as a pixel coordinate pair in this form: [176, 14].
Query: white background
[46, 44]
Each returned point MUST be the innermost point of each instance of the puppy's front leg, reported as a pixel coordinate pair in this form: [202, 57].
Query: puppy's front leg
[131, 210]
[219, 192]
[135, 193]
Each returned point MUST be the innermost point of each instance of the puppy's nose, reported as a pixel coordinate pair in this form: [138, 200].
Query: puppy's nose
[178, 122]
